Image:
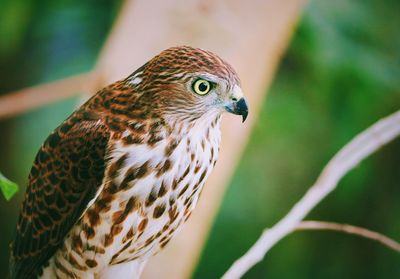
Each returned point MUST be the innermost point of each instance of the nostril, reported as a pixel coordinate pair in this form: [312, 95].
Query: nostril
[234, 99]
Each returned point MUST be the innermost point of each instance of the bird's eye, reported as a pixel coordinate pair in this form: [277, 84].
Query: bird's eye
[201, 86]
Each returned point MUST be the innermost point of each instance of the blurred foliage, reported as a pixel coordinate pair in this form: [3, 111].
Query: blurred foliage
[341, 73]
[7, 187]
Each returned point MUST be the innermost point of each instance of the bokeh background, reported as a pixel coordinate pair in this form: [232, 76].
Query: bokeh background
[340, 74]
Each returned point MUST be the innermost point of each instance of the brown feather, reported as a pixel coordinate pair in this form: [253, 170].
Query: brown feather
[66, 174]
[81, 156]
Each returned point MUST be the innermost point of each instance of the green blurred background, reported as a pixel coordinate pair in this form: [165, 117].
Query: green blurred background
[340, 74]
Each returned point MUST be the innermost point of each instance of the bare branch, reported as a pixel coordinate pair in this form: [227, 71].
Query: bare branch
[350, 229]
[17, 102]
[382, 132]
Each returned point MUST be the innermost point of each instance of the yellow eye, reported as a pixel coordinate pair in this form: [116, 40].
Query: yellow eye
[201, 86]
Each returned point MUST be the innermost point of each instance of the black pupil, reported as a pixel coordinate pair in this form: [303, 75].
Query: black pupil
[203, 86]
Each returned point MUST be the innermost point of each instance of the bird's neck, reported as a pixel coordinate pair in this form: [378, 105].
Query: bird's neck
[203, 127]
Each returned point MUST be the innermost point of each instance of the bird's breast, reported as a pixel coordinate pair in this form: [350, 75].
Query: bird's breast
[147, 193]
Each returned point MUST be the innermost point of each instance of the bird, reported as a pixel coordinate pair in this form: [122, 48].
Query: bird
[117, 179]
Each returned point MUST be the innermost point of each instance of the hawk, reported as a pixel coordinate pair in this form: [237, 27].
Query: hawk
[115, 181]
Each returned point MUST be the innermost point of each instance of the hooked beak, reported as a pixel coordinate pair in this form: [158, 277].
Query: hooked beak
[238, 107]
[237, 103]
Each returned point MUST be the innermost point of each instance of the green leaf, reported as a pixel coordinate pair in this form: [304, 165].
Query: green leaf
[8, 187]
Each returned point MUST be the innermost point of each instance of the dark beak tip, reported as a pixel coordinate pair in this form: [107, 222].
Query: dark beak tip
[242, 109]
[244, 116]
[239, 108]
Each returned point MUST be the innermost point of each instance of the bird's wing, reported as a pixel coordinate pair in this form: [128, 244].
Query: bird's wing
[66, 175]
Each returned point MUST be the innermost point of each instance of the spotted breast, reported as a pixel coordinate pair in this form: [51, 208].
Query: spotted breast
[148, 191]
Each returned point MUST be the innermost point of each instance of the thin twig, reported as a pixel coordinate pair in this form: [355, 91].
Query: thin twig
[370, 140]
[21, 101]
[350, 229]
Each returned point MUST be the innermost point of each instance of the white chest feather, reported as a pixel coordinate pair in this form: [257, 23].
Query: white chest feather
[176, 170]
[147, 194]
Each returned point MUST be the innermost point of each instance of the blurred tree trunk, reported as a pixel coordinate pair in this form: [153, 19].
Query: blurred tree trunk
[251, 35]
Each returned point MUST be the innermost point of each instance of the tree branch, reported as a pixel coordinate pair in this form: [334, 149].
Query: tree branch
[350, 229]
[21, 101]
[349, 156]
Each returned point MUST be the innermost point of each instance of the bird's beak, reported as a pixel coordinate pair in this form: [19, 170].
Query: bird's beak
[237, 104]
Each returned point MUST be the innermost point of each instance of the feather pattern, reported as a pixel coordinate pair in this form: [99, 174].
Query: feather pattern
[66, 174]
[111, 185]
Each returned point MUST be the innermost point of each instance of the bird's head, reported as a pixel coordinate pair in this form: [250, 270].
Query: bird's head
[189, 83]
